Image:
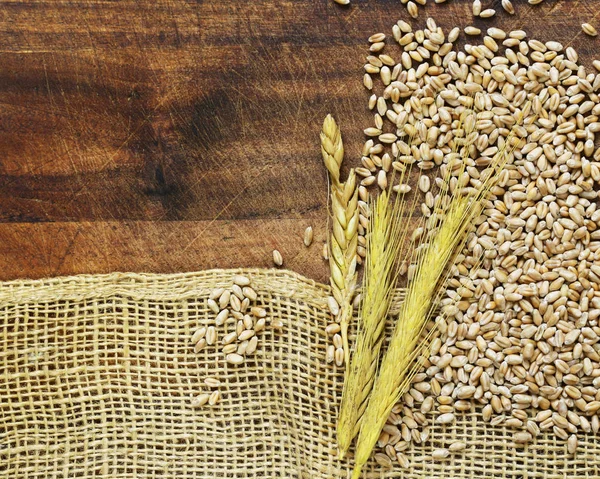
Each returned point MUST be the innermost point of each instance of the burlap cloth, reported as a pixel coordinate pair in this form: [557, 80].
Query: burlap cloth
[97, 372]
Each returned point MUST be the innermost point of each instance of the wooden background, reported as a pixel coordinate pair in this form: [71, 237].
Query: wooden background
[172, 135]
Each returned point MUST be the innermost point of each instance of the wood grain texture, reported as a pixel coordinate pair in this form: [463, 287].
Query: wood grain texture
[176, 135]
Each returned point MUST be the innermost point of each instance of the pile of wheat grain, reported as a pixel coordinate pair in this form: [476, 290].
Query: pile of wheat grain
[523, 301]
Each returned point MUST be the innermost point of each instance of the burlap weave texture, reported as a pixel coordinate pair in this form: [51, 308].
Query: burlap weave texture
[97, 374]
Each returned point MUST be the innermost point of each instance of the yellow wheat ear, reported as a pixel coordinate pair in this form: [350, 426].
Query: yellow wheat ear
[412, 318]
[343, 241]
[383, 244]
[387, 232]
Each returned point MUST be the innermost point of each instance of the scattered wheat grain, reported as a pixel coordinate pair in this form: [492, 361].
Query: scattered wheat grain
[277, 258]
[588, 29]
[470, 30]
[200, 400]
[508, 7]
[308, 236]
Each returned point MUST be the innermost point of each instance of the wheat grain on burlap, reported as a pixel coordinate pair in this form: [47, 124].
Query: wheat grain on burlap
[97, 373]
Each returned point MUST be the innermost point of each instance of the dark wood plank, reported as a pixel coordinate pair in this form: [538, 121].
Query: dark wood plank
[58, 248]
[181, 135]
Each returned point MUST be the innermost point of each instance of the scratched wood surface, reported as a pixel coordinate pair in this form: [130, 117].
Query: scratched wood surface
[172, 135]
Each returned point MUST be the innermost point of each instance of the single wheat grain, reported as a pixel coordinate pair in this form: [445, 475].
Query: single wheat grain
[589, 30]
[277, 258]
[200, 400]
[308, 236]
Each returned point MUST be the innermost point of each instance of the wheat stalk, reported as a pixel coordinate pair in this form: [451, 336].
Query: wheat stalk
[383, 245]
[344, 238]
[386, 234]
[412, 319]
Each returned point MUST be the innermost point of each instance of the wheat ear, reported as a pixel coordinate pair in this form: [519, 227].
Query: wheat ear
[383, 245]
[387, 231]
[344, 238]
[412, 318]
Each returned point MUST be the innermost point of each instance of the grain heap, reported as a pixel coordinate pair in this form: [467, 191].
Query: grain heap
[521, 336]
